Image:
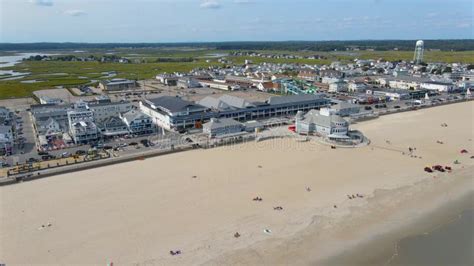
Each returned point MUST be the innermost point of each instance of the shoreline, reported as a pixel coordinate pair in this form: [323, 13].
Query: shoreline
[374, 243]
[430, 216]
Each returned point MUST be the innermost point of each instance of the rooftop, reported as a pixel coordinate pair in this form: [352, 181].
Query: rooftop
[173, 104]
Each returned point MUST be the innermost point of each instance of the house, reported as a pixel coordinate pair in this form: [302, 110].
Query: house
[112, 126]
[6, 140]
[167, 79]
[330, 73]
[357, 86]
[50, 128]
[337, 87]
[437, 86]
[5, 115]
[307, 74]
[117, 84]
[137, 122]
[322, 122]
[268, 86]
[82, 128]
[219, 127]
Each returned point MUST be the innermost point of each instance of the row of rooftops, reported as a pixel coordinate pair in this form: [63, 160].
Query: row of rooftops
[224, 103]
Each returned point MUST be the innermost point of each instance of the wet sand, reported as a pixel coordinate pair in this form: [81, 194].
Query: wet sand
[135, 213]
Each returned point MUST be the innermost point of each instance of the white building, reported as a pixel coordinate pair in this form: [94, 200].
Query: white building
[357, 86]
[222, 127]
[437, 86]
[81, 126]
[322, 122]
[108, 109]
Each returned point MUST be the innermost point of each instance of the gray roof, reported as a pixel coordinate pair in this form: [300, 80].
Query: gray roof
[132, 115]
[221, 122]
[343, 105]
[211, 102]
[235, 101]
[173, 104]
[294, 98]
[110, 120]
[225, 102]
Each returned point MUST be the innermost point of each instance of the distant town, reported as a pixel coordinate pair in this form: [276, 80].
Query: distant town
[214, 105]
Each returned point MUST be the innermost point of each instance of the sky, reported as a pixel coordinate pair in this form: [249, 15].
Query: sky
[232, 20]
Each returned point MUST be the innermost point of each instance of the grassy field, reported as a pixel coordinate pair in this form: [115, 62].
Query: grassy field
[78, 73]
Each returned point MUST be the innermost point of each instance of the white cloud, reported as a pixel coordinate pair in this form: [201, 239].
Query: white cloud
[75, 12]
[212, 4]
[42, 2]
[432, 14]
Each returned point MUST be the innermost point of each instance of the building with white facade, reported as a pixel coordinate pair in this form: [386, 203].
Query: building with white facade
[437, 86]
[217, 127]
[82, 128]
[323, 123]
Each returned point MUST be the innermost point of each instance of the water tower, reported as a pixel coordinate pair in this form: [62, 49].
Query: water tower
[418, 57]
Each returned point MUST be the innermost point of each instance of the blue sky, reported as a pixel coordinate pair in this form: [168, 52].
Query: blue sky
[232, 20]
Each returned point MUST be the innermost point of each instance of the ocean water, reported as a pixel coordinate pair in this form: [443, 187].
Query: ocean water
[449, 244]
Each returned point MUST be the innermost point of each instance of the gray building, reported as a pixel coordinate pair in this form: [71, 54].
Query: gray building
[117, 84]
[105, 110]
[6, 140]
[219, 127]
[82, 128]
[188, 83]
[112, 126]
[137, 122]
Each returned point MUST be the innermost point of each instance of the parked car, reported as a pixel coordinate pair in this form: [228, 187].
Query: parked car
[43, 153]
[368, 108]
[80, 152]
[65, 154]
[396, 107]
[32, 160]
[145, 142]
[133, 144]
[47, 157]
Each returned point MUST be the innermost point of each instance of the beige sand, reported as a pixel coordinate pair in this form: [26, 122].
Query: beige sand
[136, 212]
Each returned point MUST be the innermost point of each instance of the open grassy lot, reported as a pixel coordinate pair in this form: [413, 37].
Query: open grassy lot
[49, 74]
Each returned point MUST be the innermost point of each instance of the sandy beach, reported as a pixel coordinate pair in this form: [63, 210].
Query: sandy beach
[136, 212]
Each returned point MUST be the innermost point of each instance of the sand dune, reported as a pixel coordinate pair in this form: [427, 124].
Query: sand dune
[136, 212]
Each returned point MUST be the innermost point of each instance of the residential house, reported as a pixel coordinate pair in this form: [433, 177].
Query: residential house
[112, 126]
[82, 127]
[137, 122]
[6, 140]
